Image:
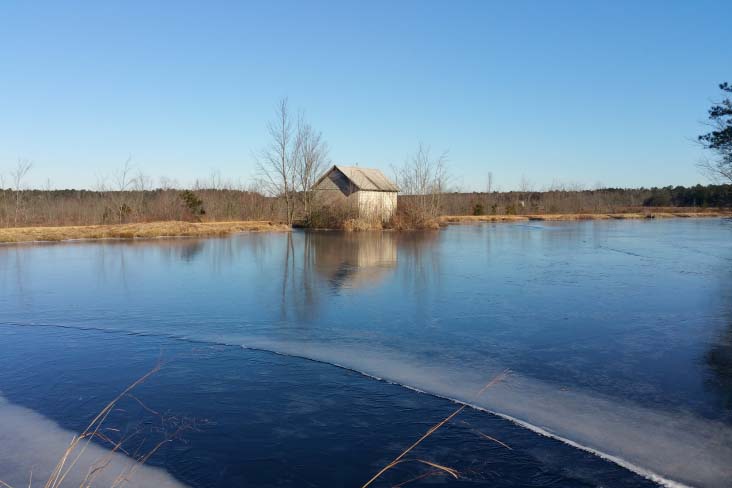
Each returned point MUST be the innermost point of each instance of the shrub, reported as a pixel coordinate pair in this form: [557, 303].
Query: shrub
[192, 204]
[361, 225]
[403, 220]
[329, 217]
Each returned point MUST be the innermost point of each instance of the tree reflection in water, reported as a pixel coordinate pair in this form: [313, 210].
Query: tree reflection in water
[719, 360]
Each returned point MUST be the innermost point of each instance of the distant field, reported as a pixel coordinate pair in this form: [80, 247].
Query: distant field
[131, 231]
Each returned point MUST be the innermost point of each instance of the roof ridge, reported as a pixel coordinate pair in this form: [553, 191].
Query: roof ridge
[361, 178]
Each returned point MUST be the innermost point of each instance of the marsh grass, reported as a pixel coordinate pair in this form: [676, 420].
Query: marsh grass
[361, 224]
[401, 458]
[170, 427]
[131, 231]
[665, 213]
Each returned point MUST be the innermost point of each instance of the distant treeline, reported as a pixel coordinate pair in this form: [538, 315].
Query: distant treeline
[606, 200]
[694, 196]
[538, 202]
[85, 207]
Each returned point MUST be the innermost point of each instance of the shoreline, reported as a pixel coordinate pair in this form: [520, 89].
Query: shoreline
[471, 219]
[174, 229]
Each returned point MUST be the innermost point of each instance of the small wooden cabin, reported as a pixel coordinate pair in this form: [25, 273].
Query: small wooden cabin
[365, 191]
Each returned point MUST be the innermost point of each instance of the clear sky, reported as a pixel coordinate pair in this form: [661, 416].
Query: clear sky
[591, 92]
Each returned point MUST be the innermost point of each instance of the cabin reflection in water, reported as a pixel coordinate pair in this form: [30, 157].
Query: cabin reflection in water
[352, 260]
[319, 263]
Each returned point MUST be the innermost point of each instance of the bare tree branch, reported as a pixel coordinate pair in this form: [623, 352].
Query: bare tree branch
[311, 158]
[18, 174]
[424, 177]
[275, 163]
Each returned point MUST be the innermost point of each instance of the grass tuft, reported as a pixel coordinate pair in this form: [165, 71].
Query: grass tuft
[95, 430]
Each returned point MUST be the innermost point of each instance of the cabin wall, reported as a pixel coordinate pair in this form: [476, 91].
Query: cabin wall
[376, 204]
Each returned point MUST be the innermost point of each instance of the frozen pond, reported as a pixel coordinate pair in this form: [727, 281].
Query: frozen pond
[617, 335]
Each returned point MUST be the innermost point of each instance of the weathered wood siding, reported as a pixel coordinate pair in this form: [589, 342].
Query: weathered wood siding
[376, 204]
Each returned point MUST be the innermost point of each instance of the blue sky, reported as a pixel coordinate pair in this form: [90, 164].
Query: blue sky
[585, 92]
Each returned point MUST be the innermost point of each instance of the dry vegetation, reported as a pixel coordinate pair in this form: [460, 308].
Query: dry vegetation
[576, 200]
[73, 459]
[292, 160]
[437, 468]
[127, 201]
[648, 213]
[128, 205]
[34, 208]
[68, 214]
[138, 230]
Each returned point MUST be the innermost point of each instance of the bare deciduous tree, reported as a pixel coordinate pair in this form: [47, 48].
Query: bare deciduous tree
[216, 181]
[18, 174]
[276, 162]
[141, 183]
[526, 188]
[169, 202]
[423, 176]
[123, 180]
[3, 204]
[311, 158]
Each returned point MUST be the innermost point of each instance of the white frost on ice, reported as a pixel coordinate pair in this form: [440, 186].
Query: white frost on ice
[32, 443]
[674, 449]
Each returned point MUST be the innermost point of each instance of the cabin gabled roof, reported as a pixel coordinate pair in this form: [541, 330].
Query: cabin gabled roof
[365, 179]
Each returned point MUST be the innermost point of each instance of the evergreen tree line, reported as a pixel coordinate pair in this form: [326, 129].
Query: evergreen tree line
[693, 196]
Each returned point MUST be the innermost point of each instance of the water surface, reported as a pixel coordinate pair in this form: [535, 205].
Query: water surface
[617, 336]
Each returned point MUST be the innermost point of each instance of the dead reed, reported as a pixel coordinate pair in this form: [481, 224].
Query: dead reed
[79, 444]
[444, 469]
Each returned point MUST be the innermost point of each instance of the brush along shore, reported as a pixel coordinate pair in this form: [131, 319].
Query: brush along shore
[145, 230]
[400, 223]
[149, 230]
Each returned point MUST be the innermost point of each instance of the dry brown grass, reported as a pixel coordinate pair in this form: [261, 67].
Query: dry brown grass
[134, 231]
[397, 223]
[468, 219]
[149, 230]
[355, 225]
[400, 221]
[81, 442]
